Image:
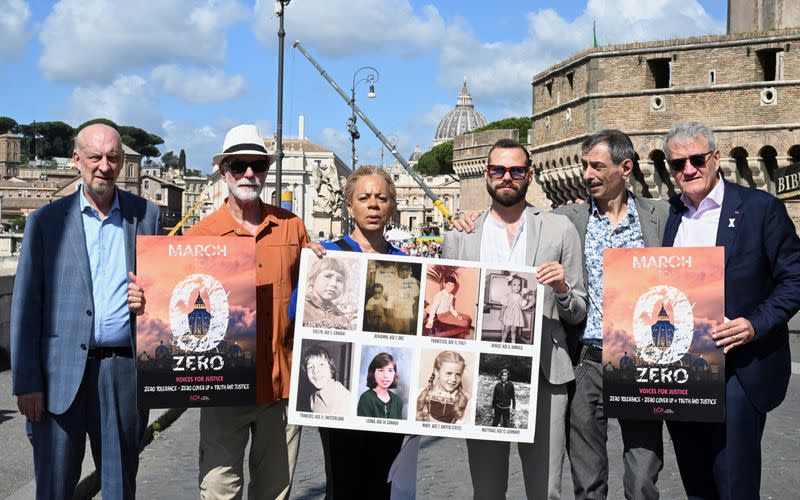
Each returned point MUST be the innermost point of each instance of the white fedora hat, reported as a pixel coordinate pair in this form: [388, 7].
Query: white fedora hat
[243, 140]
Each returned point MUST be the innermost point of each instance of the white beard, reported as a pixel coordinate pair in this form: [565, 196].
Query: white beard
[242, 192]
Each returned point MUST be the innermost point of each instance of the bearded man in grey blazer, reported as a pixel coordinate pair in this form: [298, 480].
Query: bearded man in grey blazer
[512, 232]
[612, 217]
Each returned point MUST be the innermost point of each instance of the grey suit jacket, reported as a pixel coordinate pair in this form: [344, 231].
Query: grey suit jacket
[52, 307]
[653, 215]
[550, 238]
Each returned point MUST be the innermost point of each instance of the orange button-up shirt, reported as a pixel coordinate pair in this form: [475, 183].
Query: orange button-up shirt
[279, 239]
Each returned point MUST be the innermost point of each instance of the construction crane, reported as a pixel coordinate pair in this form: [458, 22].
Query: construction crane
[437, 202]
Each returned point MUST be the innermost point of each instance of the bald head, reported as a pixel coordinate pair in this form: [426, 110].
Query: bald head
[99, 157]
[91, 132]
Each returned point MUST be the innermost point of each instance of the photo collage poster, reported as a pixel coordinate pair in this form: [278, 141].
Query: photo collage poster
[659, 359]
[416, 346]
[196, 341]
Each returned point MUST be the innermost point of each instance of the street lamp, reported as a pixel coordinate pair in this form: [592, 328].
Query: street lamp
[280, 5]
[392, 139]
[371, 77]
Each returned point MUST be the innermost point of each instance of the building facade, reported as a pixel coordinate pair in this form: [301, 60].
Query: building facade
[460, 120]
[745, 86]
[10, 145]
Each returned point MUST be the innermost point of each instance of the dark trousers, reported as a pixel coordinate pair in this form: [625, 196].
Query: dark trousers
[722, 460]
[105, 408]
[502, 414]
[643, 454]
[357, 463]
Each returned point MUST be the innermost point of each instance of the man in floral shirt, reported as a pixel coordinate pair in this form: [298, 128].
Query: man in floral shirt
[612, 217]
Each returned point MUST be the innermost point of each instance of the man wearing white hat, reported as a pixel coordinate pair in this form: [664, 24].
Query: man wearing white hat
[280, 235]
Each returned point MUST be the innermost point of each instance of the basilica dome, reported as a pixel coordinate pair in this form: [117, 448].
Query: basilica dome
[464, 118]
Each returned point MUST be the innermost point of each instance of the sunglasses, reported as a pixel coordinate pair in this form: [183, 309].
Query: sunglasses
[499, 171]
[240, 166]
[697, 161]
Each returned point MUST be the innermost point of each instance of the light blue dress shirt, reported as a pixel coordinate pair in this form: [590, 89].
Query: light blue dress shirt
[105, 244]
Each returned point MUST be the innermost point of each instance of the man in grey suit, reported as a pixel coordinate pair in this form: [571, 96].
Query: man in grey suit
[612, 218]
[512, 232]
[72, 339]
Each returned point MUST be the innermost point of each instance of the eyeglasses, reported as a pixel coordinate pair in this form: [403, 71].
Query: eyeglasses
[499, 171]
[240, 166]
[697, 161]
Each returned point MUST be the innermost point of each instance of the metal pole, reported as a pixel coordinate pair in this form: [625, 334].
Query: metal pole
[279, 8]
[436, 201]
[353, 124]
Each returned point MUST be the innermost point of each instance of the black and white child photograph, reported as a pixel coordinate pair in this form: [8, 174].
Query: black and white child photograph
[325, 377]
[332, 285]
[391, 298]
[504, 391]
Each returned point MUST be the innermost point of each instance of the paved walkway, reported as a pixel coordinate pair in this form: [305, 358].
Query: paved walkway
[168, 468]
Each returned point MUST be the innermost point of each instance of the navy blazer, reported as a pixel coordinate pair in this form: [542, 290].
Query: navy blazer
[762, 284]
[52, 307]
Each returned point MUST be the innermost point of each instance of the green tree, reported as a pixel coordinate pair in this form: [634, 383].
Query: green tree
[18, 223]
[169, 159]
[7, 124]
[182, 160]
[56, 138]
[104, 121]
[523, 124]
[141, 141]
[439, 160]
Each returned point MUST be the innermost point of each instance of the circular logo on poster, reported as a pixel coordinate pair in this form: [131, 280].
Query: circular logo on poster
[663, 325]
[204, 326]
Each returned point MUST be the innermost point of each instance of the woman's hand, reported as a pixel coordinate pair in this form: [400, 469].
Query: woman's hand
[317, 248]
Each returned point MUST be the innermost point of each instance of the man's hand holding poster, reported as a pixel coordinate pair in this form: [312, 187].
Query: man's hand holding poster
[659, 359]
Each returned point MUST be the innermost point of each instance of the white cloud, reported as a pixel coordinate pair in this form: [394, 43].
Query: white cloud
[500, 73]
[96, 40]
[431, 119]
[128, 100]
[13, 27]
[338, 28]
[202, 142]
[337, 141]
[197, 86]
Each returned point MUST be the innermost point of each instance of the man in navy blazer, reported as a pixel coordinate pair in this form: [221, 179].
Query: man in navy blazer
[72, 337]
[762, 292]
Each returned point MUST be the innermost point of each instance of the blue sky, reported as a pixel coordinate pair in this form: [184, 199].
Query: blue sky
[188, 70]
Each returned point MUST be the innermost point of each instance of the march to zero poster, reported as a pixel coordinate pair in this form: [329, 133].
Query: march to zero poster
[196, 341]
[659, 359]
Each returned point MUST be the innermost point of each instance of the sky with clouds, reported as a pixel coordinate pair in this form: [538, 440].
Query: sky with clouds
[188, 70]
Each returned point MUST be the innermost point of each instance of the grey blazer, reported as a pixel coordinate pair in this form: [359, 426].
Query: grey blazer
[52, 307]
[653, 215]
[550, 238]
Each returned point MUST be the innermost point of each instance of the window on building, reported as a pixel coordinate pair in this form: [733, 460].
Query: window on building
[660, 72]
[771, 64]
[571, 80]
[549, 86]
[712, 77]
[158, 196]
[147, 184]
